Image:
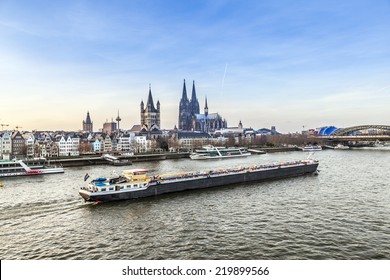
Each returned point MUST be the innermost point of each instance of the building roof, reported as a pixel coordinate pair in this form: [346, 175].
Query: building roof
[212, 116]
[192, 134]
[327, 130]
[136, 128]
[267, 131]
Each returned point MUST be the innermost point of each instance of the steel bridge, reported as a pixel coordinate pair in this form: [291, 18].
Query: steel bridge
[340, 138]
[333, 135]
[349, 131]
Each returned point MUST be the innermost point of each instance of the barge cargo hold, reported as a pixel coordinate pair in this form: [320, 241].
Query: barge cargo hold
[136, 183]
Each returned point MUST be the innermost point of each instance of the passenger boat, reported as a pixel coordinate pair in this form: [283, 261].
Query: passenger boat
[312, 148]
[136, 183]
[9, 168]
[211, 152]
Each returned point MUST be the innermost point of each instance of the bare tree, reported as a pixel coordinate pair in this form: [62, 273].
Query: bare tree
[231, 141]
[173, 144]
[154, 145]
[197, 143]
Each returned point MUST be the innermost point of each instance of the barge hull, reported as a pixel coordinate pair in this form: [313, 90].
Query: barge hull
[208, 182]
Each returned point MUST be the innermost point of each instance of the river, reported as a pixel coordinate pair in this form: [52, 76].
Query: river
[343, 213]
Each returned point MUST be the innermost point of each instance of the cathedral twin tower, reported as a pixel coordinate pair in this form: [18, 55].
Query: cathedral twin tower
[190, 118]
[188, 109]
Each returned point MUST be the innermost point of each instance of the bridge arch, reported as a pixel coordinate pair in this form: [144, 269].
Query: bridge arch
[349, 130]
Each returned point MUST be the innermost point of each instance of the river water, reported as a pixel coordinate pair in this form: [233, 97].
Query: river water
[344, 213]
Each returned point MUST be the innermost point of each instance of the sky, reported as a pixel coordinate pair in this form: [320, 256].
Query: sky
[290, 64]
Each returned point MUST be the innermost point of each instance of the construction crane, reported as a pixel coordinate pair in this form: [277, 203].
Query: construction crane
[2, 126]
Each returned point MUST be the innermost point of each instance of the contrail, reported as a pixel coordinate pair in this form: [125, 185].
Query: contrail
[223, 79]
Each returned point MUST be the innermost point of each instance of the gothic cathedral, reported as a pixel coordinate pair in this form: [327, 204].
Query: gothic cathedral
[188, 109]
[190, 118]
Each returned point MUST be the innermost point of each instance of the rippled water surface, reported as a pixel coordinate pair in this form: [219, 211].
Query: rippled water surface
[344, 213]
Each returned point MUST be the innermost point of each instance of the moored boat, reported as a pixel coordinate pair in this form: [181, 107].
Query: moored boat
[136, 183]
[312, 148]
[211, 152]
[11, 168]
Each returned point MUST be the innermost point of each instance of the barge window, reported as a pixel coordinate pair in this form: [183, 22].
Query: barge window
[111, 188]
[103, 189]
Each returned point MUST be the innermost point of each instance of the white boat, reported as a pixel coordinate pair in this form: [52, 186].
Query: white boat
[341, 147]
[379, 144]
[211, 152]
[10, 168]
[312, 148]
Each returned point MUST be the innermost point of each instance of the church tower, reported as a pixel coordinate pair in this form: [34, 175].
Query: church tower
[194, 104]
[150, 116]
[87, 124]
[184, 111]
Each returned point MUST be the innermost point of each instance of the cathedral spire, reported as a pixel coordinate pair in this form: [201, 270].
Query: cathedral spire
[184, 95]
[193, 96]
[184, 110]
[194, 101]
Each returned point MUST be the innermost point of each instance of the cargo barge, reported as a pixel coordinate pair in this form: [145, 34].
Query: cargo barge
[136, 183]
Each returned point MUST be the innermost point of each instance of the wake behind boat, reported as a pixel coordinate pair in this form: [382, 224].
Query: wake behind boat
[211, 152]
[10, 168]
[135, 183]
